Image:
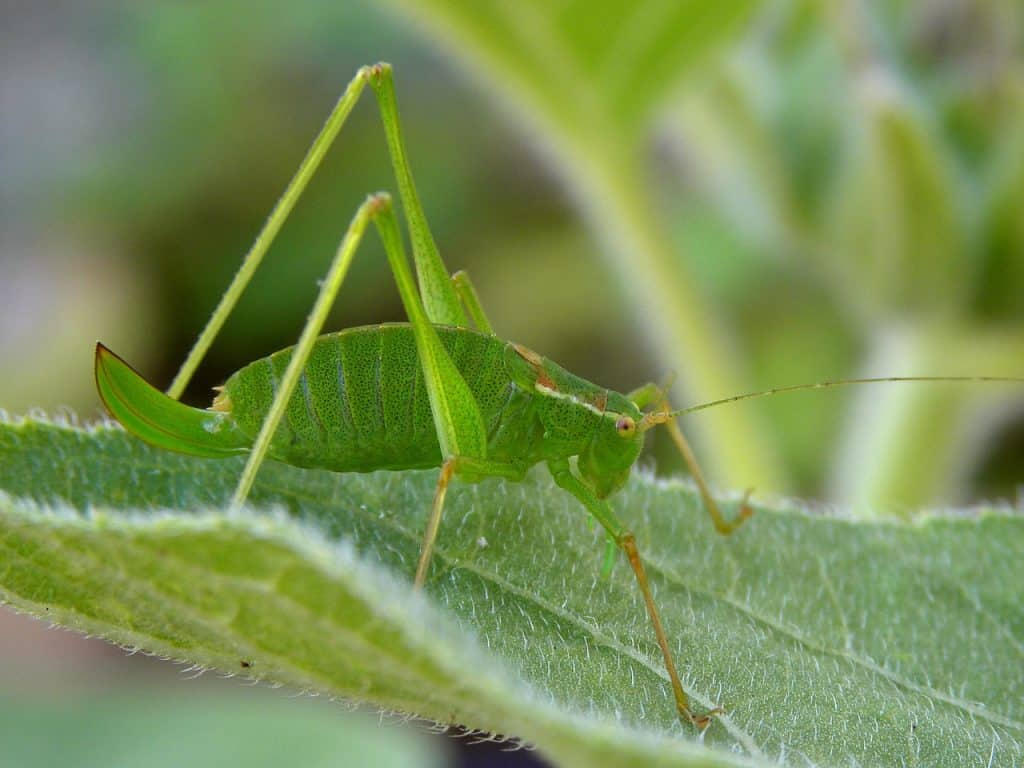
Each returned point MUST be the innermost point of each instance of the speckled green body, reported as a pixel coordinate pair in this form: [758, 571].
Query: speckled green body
[361, 403]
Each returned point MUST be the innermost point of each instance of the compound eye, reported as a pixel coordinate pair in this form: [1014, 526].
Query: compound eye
[625, 426]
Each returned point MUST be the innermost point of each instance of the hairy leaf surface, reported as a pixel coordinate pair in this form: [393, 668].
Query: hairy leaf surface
[829, 641]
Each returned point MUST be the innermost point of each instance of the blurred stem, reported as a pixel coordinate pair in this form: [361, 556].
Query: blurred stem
[680, 325]
[904, 446]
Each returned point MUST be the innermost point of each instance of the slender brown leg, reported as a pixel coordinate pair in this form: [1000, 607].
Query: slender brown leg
[628, 544]
[563, 476]
[723, 526]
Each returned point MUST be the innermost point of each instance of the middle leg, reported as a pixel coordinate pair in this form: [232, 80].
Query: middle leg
[467, 293]
[625, 540]
[449, 469]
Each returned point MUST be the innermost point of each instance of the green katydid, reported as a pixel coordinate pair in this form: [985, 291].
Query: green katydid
[433, 392]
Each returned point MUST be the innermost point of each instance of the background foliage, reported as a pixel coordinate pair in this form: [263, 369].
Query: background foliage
[751, 196]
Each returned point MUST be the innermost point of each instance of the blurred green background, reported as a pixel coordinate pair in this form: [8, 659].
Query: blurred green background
[753, 195]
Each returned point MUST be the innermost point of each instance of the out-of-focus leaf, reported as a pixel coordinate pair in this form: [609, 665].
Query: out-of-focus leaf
[907, 443]
[1000, 282]
[594, 69]
[725, 131]
[898, 234]
[125, 730]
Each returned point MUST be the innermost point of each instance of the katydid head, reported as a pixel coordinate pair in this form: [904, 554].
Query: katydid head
[599, 426]
[607, 460]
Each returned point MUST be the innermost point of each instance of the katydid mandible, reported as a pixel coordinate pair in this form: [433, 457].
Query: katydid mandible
[432, 392]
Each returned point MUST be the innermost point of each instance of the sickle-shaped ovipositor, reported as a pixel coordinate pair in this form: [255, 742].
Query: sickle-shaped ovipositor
[160, 420]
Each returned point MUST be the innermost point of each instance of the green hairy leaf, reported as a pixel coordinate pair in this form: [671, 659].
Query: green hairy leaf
[828, 641]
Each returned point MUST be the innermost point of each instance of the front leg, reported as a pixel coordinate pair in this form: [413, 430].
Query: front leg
[624, 539]
[657, 395]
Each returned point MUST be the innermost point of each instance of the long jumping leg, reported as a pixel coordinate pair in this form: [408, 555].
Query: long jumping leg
[436, 289]
[328, 291]
[270, 229]
[439, 295]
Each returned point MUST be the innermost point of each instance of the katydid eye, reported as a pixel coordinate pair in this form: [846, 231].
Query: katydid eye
[625, 426]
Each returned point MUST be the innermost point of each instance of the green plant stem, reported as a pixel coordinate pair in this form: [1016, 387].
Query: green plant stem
[734, 447]
[903, 447]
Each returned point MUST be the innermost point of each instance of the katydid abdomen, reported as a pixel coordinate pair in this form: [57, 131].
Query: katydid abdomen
[361, 404]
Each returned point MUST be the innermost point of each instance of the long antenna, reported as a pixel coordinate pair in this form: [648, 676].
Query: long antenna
[660, 417]
[846, 382]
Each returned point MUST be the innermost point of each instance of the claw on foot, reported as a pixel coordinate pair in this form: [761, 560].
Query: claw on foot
[701, 721]
[746, 511]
